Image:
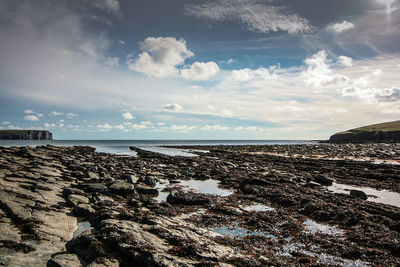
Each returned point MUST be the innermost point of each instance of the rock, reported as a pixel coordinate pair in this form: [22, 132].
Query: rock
[132, 179]
[74, 200]
[313, 185]
[321, 179]
[64, 260]
[92, 188]
[68, 191]
[122, 188]
[83, 210]
[358, 194]
[180, 197]
[144, 190]
[104, 262]
[150, 181]
[93, 175]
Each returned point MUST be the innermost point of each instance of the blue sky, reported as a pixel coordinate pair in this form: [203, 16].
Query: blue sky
[180, 69]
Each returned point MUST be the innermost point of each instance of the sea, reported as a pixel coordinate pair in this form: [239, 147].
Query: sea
[121, 147]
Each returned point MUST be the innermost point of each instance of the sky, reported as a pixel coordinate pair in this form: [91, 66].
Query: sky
[198, 69]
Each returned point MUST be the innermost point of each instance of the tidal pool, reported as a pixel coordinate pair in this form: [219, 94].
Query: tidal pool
[257, 207]
[315, 227]
[199, 186]
[378, 196]
[82, 227]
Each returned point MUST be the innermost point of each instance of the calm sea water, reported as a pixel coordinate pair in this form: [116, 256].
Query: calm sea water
[121, 147]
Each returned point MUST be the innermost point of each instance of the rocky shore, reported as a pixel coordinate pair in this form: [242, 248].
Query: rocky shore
[274, 206]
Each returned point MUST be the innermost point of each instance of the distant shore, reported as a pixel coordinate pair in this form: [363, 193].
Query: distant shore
[275, 205]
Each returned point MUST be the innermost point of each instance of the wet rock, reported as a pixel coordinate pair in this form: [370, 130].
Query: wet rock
[313, 185]
[74, 200]
[358, 194]
[64, 260]
[321, 179]
[187, 198]
[144, 190]
[150, 181]
[122, 188]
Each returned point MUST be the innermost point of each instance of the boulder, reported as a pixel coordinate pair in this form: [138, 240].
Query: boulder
[150, 181]
[122, 188]
[92, 188]
[358, 194]
[132, 179]
[187, 198]
[321, 179]
[144, 190]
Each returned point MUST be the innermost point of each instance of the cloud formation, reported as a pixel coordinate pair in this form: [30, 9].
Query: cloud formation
[128, 116]
[255, 15]
[319, 73]
[111, 6]
[200, 71]
[160, 57]
[341, 26]
[31, 118]
[172, 107]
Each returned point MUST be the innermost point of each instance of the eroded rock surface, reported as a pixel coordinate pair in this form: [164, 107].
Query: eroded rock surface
[277, 212]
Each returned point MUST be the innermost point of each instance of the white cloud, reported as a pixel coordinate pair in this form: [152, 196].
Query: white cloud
[160, 56]
[31, 118]
[119, 127]
[128, 116]
[172, 107]
[243, 75]
[112, 61]
[71, 115]
[341, 26]
[255, 15]
[55, 113]
[229, 61]
[29, 111]
[49, 125]
[182, 128]
[139, 126]
[388, 95]
[200, 71]
[5, 122]
[345, 61]
[104, 127]
[147, 123]
[39, 115]
[111, 6]
[319, 74]
[161, 123]
[215, 127]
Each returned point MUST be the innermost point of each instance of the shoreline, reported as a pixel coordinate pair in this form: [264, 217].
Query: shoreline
[45, 190]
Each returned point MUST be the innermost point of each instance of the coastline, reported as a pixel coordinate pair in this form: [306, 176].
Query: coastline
[46, 190]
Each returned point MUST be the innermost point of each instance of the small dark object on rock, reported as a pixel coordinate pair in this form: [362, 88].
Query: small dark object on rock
[323, 180]
[358, 194]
